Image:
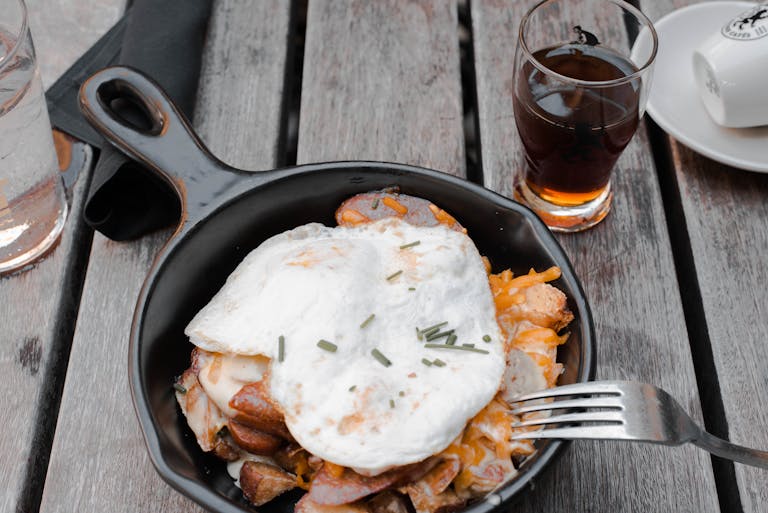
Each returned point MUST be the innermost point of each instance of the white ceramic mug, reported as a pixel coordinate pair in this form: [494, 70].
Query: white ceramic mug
[730, 69]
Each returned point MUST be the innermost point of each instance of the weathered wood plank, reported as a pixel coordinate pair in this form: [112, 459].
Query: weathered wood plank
[627, 270]
[63, 30]
[38, 306]
[97, 432]
[382, 82]
[726, 216]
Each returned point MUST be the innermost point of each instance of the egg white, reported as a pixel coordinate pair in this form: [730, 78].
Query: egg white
[316, 282]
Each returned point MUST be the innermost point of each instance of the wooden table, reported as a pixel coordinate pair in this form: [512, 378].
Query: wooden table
[676, 275]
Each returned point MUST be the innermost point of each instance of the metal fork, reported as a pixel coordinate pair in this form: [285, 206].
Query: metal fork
[625, 411]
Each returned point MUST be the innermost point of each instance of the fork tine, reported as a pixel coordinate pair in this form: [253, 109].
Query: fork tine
[594, 387]
[590, 416]
[612, 432]
[590, 402]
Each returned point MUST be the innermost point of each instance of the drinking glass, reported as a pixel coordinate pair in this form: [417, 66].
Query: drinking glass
[578, 98]
[33, 204]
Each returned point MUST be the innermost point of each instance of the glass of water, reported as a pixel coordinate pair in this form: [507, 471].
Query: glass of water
[33, 205]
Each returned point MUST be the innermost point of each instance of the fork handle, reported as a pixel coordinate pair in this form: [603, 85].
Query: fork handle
[726, 449]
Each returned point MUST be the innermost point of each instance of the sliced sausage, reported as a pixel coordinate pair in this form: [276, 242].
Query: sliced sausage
[255, 410]
[254, 441]
[306, 505]
[350, 486]
[262, 482]
[372, 206]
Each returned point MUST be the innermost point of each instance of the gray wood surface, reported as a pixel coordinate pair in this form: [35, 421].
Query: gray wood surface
[97, 428]
[726, 216]
[382, 82]
[38, 306]
[626, 267]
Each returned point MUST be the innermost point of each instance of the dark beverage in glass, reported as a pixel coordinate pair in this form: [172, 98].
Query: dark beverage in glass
[577, 105]
[573, 136]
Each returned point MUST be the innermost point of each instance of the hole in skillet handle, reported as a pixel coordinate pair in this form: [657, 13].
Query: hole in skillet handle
[127, 106]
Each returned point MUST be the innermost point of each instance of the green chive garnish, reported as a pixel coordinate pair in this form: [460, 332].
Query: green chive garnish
[461, 348]
[419, 334]
[411, 288]
[435, 336]
[486, 338]
[367, 321]
[328, 346]
[451, 339]
[381, 358]
[394, 275]
[179, 388]
[410, 244]
[401, 393]
[375, 203]
[352, 388]
[426, 362]
[281, 348]
[391, 403]
[435, 327]
[468, 345]
[438, 362]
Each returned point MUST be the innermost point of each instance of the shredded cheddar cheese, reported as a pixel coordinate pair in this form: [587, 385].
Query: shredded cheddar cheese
[395, 205]
[484, 448]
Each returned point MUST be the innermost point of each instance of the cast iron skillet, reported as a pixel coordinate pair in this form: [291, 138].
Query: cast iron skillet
[227, 212]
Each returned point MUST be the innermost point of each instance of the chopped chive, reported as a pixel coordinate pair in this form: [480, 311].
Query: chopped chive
[381, 358]
[486, 338]
[352, 388]
[367, 321]
[391, 403]
[411, 288]
[410, 244]
[281, 348]
[401, 393]
[467, 345]
[451, 339]
[179, 388]
[461, 348]
[426, 362]
[419, 334]
[436, 326]
[438, 362]
[427, 333]
[394, 275]
[375, 203]
[328, 346]
[435, 336]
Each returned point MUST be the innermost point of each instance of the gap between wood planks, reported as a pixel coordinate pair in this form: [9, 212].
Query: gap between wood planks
[288, 143]
[707, 380]
[55, 370]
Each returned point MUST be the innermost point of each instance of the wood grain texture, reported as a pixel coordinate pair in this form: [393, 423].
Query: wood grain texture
[382, 82]
[726, 215]
[627, 270]
[97, 434]
[63, 30]
[38, 306]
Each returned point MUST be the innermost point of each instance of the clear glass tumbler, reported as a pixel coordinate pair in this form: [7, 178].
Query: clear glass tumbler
[33, 205]
[578, 99]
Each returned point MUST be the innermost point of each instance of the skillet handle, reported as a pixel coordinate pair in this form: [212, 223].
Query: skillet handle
[168, 146]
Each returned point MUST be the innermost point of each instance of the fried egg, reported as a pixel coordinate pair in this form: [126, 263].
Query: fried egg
[357, 386]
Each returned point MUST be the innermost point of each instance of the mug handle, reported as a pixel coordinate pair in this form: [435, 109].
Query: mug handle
[167, 146]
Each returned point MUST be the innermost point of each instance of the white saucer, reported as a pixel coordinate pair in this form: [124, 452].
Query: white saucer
[674, 100]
